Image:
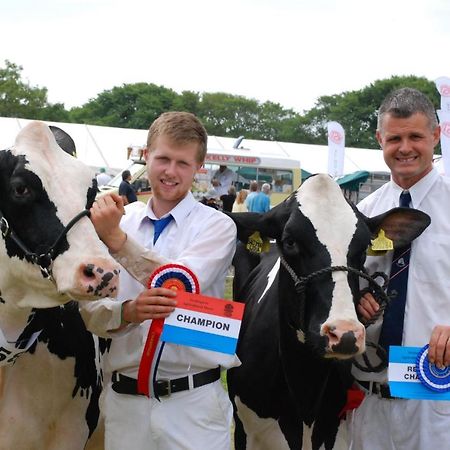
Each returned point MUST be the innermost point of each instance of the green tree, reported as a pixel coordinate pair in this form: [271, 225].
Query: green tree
[128, 106]
[356, 111]
[19, 99]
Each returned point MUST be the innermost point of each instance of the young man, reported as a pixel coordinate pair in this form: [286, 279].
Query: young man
[197, 417]
[408, 132]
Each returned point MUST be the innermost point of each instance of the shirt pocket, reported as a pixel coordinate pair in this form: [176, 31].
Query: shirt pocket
[430, 260]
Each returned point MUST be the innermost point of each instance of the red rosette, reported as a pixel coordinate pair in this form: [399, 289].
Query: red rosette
[169, 276]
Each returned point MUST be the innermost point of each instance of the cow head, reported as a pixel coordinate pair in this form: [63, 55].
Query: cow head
[42, 189]
[317, 229]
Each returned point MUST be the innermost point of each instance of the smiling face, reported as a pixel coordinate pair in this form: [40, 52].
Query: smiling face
[171, 168]
[408, 146]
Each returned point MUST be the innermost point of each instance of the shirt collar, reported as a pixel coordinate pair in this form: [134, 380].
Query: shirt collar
[419, 190]
[179, 212]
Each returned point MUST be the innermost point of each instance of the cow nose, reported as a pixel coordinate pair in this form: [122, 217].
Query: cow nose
[346, 338]
[98, 278]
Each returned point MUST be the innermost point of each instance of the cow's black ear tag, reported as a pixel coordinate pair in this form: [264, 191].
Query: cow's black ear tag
[380, 245]
[256, 244]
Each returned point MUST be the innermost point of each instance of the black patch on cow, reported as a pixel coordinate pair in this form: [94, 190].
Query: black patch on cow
[65, 335]
[27, 208]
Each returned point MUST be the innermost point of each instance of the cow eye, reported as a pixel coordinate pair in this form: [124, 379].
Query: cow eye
[20, 190]
[290, 245]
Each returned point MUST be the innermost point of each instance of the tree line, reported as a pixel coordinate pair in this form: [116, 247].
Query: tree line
[137, 105]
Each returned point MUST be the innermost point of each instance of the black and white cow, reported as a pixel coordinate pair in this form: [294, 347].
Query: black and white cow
[49, 255]
[300, 325]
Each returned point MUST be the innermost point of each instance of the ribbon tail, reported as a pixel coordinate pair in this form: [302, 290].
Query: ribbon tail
[151, 345]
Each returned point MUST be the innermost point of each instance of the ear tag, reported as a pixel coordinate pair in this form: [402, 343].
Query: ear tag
[380, 245]
[255, 243]
[265, 245]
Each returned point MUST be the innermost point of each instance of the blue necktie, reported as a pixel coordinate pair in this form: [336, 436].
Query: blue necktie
[392, 327]
[159, 225]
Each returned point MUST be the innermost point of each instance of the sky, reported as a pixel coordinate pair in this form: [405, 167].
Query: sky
[286, 51]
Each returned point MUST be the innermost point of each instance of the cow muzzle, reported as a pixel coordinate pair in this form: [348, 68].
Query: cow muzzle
[346, 338]
[93, 278]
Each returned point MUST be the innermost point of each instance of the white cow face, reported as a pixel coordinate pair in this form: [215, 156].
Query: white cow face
[43, 189]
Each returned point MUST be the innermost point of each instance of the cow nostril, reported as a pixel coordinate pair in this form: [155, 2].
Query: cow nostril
[88, 271]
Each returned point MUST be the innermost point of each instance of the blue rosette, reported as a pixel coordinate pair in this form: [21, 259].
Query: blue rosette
[430, 375]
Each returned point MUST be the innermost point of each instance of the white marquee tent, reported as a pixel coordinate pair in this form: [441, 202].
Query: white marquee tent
[107, 147]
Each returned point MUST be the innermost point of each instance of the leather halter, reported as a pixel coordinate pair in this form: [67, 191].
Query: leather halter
[45, 260]
[377, 291]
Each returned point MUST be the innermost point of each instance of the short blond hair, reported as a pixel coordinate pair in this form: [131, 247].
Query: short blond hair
[179, 128]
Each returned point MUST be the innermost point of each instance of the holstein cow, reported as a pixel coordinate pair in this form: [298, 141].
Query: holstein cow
[300, 323]
[49, 255]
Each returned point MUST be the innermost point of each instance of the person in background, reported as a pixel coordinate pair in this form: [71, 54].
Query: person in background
[126, 190]
[225, 178]
[261, 201]
[252, 193]
[239, 204]
[408, 132]
[103, 178]
[193, 411]
[228, 199]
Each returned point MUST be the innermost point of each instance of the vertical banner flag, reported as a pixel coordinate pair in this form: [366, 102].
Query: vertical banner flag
[443, 86]
[336, 149]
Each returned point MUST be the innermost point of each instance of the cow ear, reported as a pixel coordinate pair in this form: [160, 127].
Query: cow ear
[64, 140]
[400, 225]
[266, 224]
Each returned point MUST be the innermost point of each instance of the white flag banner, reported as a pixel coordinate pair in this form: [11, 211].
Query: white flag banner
[336, 149]
[444, 120]
[443, 86]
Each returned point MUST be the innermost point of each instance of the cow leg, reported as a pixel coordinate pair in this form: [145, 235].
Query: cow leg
[240, 439]
[262, 433]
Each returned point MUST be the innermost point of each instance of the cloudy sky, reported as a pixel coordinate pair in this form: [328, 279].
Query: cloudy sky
[285, 51]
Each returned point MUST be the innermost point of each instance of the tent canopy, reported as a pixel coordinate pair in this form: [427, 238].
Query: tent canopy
[352, 181]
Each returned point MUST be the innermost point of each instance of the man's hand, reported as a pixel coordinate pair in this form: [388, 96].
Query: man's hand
[367, 307]
[106, 213]
[155, 303]
[439, 350]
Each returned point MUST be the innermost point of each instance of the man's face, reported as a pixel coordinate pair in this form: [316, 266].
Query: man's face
[408, 146]
[171, 169]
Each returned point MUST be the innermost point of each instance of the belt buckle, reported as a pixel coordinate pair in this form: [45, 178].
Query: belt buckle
[164, 384]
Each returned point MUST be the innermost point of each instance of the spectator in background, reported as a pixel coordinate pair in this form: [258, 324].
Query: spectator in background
[253, 192]
[225, 178]
[261, 201]
[126, 191]
[228, 199]
[103, 178]
[239, 204]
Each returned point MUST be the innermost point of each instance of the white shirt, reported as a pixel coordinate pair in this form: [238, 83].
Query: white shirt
[428, 294]
[199, 237]
[225, 179]
[103, 178]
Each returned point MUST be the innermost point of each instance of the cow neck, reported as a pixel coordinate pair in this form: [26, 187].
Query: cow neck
[45, 260]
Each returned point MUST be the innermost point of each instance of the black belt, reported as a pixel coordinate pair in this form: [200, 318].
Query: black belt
[382, 390]
[127, 385]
